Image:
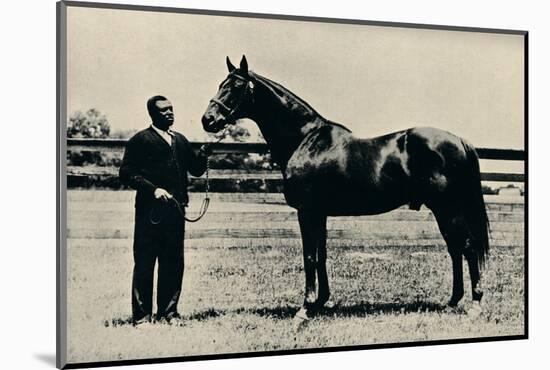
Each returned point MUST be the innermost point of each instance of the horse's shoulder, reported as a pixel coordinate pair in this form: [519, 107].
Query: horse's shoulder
[327, 146]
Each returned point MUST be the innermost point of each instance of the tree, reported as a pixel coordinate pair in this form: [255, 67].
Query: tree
[239, 161]
[236, 133]
[122, 134]
[91, 124]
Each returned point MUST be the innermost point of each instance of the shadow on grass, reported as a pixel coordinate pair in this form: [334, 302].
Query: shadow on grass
[361, 309]
[197, 316]
[365, 308]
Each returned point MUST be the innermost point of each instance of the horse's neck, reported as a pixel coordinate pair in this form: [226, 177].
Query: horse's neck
[283, 119]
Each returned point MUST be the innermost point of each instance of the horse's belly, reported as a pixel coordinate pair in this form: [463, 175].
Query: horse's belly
[341, 199]
[360, 179]
[363, 203]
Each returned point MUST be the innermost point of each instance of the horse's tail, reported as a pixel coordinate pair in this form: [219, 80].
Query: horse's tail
[474, 204]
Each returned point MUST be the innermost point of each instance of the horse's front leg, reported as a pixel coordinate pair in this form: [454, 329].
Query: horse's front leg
[313, 230]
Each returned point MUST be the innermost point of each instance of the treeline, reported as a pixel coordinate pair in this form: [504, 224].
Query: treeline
[94, 125]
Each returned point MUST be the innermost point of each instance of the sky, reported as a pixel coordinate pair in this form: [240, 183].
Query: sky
[372, 79]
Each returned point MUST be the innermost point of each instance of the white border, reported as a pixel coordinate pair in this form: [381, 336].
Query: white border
[28, 186]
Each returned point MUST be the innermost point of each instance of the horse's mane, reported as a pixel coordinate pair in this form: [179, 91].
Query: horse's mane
[283, 92]
[338, 124]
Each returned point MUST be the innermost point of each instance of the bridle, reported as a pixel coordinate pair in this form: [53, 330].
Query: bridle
[229, 112]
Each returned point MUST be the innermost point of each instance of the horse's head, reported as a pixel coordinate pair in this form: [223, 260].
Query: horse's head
[231, 100]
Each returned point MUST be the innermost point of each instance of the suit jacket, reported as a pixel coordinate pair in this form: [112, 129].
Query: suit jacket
[150, 163]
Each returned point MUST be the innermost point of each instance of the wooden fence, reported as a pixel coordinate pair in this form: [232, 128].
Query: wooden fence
[251, 219]
[258, 217]
[117, 146]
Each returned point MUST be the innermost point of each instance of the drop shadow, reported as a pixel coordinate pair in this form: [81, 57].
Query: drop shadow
[47, 358]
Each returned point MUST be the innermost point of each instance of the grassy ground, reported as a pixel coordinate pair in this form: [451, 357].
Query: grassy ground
[241, 295]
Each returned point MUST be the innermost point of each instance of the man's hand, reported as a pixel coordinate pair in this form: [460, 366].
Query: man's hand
[162, 194]
[206, 150]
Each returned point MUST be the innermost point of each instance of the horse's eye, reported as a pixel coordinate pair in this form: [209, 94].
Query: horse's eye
[238, 83]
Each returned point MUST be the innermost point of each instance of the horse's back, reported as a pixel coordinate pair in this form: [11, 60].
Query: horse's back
[337, 173]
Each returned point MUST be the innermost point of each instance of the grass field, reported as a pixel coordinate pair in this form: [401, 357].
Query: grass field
[240, 295]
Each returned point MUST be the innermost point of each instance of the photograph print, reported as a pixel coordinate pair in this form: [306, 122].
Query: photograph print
[243, 184]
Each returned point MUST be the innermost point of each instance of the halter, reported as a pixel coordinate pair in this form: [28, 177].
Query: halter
[229, 113]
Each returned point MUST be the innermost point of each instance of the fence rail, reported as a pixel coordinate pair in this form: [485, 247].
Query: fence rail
[117, 146]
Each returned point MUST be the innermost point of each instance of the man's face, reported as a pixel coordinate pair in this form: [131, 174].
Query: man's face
[165, 116]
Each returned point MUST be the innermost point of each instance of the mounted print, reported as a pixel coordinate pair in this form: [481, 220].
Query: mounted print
[235, 184]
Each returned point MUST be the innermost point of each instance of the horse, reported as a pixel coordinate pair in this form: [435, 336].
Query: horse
[327, 171]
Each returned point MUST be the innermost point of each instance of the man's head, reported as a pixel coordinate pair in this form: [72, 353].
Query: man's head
[161, 111]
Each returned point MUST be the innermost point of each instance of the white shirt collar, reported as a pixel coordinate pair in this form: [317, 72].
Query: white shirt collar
[162, 132]
[166, 135]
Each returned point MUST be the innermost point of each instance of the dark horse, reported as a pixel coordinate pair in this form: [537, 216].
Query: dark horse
[329, 172]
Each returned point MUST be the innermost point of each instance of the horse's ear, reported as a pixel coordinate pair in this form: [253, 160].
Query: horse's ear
[230, 65]
[244, 65]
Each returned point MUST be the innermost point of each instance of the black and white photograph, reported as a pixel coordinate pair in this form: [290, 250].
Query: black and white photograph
[240, 184]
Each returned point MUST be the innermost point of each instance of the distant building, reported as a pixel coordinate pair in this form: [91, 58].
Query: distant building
[509, 190]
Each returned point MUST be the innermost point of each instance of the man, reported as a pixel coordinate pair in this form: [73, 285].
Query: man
[155, 163]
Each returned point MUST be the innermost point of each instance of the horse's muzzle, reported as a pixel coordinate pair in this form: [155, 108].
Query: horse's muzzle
[212, 125]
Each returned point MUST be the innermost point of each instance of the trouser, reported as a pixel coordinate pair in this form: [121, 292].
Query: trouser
[162, 242]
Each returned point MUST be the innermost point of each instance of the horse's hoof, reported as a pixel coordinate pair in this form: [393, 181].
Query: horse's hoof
[300, 319]
[301, 314]
[475, 310]
[330, 304]
[450, 309]
[299, 324]
[453, 303]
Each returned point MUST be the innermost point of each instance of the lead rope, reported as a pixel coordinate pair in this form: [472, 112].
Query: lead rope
[202, 210]
[206, 200]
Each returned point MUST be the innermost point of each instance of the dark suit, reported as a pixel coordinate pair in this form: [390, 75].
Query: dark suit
[149, 163]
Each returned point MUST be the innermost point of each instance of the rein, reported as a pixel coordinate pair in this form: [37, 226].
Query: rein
[206, 200]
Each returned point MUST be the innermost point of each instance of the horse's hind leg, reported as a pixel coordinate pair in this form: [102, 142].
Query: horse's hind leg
[473, 266]
[324, 291]
[455, 232]
[313, 230]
